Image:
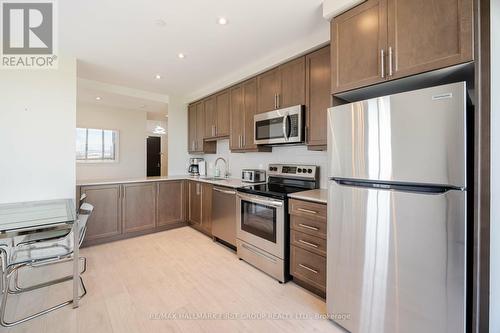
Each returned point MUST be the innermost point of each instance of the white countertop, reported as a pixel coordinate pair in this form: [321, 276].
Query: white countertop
[227, 182]
[319, 195]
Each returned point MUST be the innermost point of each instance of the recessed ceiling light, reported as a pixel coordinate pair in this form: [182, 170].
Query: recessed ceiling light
[222, 21]
[158, 76]
[143, 106]
[181, 55]
[98, 98]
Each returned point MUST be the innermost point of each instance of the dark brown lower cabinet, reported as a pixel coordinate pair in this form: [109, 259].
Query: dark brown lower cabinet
[170, 202]
[200, 206]
[195, 203]
[139, 202]
[125, 210]
[106, 218]
[308, 245]
[206, 208]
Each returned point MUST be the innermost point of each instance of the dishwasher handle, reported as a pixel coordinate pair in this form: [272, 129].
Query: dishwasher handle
[224, 191]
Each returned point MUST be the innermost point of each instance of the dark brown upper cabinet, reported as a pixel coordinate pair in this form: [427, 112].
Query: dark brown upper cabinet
[243, 105]
[358, 41]
[192, 128]
[196, 130]
[382, 40]
[222, 112]
[318, 99]
[237, 117]
[427, 35]
[282, 87]
[210, 117]
[217, 115]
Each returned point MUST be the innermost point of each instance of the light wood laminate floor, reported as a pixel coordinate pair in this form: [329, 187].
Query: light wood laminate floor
[141, 284]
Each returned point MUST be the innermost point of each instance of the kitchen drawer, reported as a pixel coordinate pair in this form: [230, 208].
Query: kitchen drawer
[308, 209]
[308, 242]
[308, 267]
[309, 226]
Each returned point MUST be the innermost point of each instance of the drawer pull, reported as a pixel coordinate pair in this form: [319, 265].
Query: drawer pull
[308, 227]
[309, 268]
[307, 243]
[307, 211]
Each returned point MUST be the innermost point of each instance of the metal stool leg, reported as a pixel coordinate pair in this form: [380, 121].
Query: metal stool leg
[5, 323]
[18, 289]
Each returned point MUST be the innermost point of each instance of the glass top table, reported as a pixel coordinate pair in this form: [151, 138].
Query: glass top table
[40, 216]
[17, 218]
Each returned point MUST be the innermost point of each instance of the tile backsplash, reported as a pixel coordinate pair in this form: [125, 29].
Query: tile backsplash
[280, 154]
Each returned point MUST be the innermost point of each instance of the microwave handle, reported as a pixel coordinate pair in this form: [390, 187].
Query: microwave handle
[286, 118]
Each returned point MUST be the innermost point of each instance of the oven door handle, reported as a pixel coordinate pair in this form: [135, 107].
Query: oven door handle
[266, 202]
[286, 118]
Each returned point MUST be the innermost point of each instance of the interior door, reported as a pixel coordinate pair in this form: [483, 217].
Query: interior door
[358, 38]
[396, 260]
[427, 35]
[153, 153]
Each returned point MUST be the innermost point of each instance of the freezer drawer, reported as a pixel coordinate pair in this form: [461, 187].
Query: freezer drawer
[396, 260]
[412, 137]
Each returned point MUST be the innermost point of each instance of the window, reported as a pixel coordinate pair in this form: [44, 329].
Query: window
[96, 145]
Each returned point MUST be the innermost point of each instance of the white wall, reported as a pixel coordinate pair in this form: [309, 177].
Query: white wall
[37, 133]
[495, 170]
[281, 154]
[177, 136]
[131, 125]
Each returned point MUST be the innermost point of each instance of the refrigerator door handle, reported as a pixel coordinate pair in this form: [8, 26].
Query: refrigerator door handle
[407, 187]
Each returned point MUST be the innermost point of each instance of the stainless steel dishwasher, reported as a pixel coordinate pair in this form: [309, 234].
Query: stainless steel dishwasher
[224, 215]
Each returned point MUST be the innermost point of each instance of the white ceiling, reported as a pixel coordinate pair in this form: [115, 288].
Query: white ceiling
[118, 42]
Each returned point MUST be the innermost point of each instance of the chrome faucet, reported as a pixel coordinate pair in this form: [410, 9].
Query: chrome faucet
[226, 165]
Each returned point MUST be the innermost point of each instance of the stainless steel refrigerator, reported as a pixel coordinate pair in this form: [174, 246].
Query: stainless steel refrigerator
[396, 257]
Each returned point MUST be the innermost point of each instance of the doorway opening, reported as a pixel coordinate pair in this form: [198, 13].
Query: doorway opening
[153, 156]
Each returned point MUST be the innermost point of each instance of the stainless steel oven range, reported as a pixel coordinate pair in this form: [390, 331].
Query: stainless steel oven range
[262, 217]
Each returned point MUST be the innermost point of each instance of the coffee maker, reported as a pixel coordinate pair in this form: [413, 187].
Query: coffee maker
[197, 167]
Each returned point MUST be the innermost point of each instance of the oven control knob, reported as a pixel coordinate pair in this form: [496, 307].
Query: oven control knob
[309, 171]
[299, 170]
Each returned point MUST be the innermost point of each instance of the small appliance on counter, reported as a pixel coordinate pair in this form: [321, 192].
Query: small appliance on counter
[197, 167]
[253, 176]
[262, 221]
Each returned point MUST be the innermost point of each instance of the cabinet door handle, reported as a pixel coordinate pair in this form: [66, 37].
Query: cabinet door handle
[278, 100]
[275, 101]
[307, 211]
[308, 244]
[382, 66]
[308, 227]
[309, 268]
[390, 61]
[215, 129]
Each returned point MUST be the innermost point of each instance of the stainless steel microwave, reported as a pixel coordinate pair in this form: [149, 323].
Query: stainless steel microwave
[279, 126]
